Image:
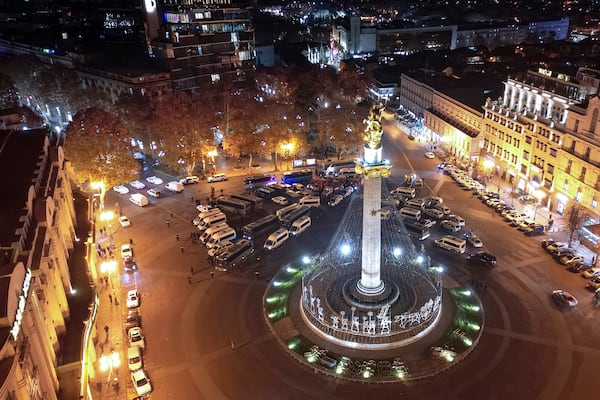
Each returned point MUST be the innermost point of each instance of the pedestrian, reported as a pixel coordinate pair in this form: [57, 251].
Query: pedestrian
[256, 274]
[106, 329]
[177, 237]
[131, 241]
[212, 274]
[168, 223]
[221, 192]
[189, 280]
[110, 298]
[192, 270]
[181, 249]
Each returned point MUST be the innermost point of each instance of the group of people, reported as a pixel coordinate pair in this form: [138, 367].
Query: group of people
[104, 252]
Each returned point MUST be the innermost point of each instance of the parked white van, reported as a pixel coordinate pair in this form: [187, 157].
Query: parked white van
[202, 215]
[282, 212]
[139, 199]
[452, 243]
[407, 192]
[300, 225]
[212, 230]
[174, 186]
[416, 203]
[411, 213]
[212, 220]
[276, 239]
[311, 201]
[220, 237]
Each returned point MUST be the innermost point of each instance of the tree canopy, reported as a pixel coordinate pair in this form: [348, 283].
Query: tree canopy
[99, 148]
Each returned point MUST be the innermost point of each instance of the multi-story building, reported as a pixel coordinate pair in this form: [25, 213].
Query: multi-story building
[37, 236]
[543, 137]
[203, 41]
[448, 110]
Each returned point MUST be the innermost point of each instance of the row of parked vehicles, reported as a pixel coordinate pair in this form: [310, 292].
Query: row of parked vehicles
[421, 214]
[513, 217]
[133, 329]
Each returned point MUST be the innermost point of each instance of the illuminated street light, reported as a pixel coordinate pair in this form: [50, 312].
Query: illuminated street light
[345, 249]
[110, 361]
[108, 267]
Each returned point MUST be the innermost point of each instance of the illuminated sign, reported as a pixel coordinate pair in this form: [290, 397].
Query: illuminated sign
[16, 328]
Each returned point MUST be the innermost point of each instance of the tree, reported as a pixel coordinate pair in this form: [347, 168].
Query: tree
[99, 147]
[185, 129]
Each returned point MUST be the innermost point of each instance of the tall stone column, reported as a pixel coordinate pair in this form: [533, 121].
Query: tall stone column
[370, 281]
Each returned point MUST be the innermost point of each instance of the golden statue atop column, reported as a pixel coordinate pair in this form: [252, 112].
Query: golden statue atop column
[374, 130]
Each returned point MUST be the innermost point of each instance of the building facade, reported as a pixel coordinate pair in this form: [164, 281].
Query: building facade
[202, 42]
[37, 236]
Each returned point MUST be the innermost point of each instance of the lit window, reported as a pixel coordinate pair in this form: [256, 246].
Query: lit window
[578, 196]
[594, 202]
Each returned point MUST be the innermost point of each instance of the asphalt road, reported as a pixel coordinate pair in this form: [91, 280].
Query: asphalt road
[529, 348]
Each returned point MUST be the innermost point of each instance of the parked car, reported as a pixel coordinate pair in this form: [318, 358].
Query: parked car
[134, 358]
[450, 225]
[535, 229]
[136, 338]
[121, 189]
[154, 192]
[564, 299]
[555, 246]
[335, 201]
[126, 251]
[561, 252]
[428, 222]
[133, 299]
[595, 283]
[484, 258]
[141, 382]
[474, 240]
[547, 242]
[591, 273]
[124, 221]
[188, 180]
[570, 259]
[579, 267]
[133, 319]
[155, 180]
[216, 178]
[137, 185]
[456, 218]
[282, 201]
[430, 155]
[526, 199]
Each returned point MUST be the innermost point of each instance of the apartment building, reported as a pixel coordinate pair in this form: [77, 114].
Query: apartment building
[202, 42]
[37, 236]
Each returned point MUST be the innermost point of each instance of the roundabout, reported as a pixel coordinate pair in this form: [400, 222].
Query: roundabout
[372, 307]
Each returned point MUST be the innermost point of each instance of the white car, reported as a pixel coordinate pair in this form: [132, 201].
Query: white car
[216, 178]
[121, 189]
[134, 358]
[136, 338]
[124, 221]
[141, 382]
[450, 225]
[349, 191]
[591, 273]
[458, 219]
[219, 247]
[155, 180]
[571, 259]
[335, 201]
[137, 185]
[474, 241]
[282, 201]
[126, 251]
[133, 299]
[430, 155]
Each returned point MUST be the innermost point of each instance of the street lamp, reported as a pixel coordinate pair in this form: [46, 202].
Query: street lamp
[110, 362]
[539, 195]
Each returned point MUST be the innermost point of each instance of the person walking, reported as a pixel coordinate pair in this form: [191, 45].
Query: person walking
[177, 237]
[181, 249]
[110, 298]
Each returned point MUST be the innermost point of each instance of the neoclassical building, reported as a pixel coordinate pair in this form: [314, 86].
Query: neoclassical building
[542, 136]
[37, 236]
